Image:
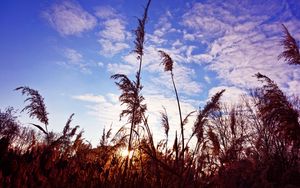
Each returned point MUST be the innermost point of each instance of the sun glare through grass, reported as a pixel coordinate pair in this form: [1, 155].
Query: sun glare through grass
[215, 120]
[124, 153]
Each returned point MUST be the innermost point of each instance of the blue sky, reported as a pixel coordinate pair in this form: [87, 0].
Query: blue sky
[68, 49]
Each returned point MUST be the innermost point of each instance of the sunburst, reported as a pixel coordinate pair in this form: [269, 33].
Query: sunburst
[124, 153]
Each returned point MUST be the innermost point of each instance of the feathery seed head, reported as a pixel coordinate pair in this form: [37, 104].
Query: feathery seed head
[166, 61]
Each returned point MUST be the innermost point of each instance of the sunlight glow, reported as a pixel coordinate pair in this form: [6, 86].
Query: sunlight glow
[124, 153]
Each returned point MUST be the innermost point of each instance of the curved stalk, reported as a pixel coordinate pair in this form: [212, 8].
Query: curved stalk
[180, 115]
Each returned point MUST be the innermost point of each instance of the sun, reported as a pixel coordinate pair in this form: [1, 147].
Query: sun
[124, 153]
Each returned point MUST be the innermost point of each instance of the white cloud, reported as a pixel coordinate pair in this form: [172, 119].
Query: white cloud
[207, 79]
[105, 12]
[231, 96]
[188, 36]
[90, 98]
[177, 43]
[68, 18]
[113, 97]
[163, 27]
[202, 17]
[110, 48]
[73, 56]
[130, 64]
[107, 109]
[294, 86]
[155, 39]
[115, 68]
[238, 56]
[183, 77]
[203, 58]
[114, 29]
[243, 40]
[100, 64]
[113, 36]
[154, 105]
[75, 60]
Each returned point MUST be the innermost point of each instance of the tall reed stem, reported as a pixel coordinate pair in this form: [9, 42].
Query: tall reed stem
[180, 115]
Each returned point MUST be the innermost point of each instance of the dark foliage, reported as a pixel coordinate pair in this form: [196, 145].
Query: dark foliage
[232, 150]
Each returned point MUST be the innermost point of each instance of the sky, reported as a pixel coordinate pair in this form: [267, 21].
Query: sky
[67, 50]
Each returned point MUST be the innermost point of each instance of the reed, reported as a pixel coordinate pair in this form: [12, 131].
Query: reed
[253, 144]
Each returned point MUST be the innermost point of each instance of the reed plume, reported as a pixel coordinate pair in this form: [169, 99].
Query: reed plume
[36, 107]
[215, 141]
[291, 49]
[276, 111]
[131, 98]
[166, 125]
[167, 62]
[131, 89]
[140, 33]
[165, 121]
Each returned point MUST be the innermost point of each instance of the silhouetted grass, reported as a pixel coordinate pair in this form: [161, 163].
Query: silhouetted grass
[255, 143]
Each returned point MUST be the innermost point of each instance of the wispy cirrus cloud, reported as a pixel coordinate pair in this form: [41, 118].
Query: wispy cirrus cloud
[105, 12]
[184, 76]
[111, 48]
[243, 39]
[75, 60]
[73, 56]
[69, 18]
[113, 34]
[235, 40]
[88, 97]
[163, 27]
[114, 29]
[157, 40]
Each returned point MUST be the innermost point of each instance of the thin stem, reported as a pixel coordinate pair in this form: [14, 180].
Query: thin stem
[133, 115]
[180, 116]
[46, 126]
[166, 152]
[139, 73]
[135, 102]
[153, 149]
